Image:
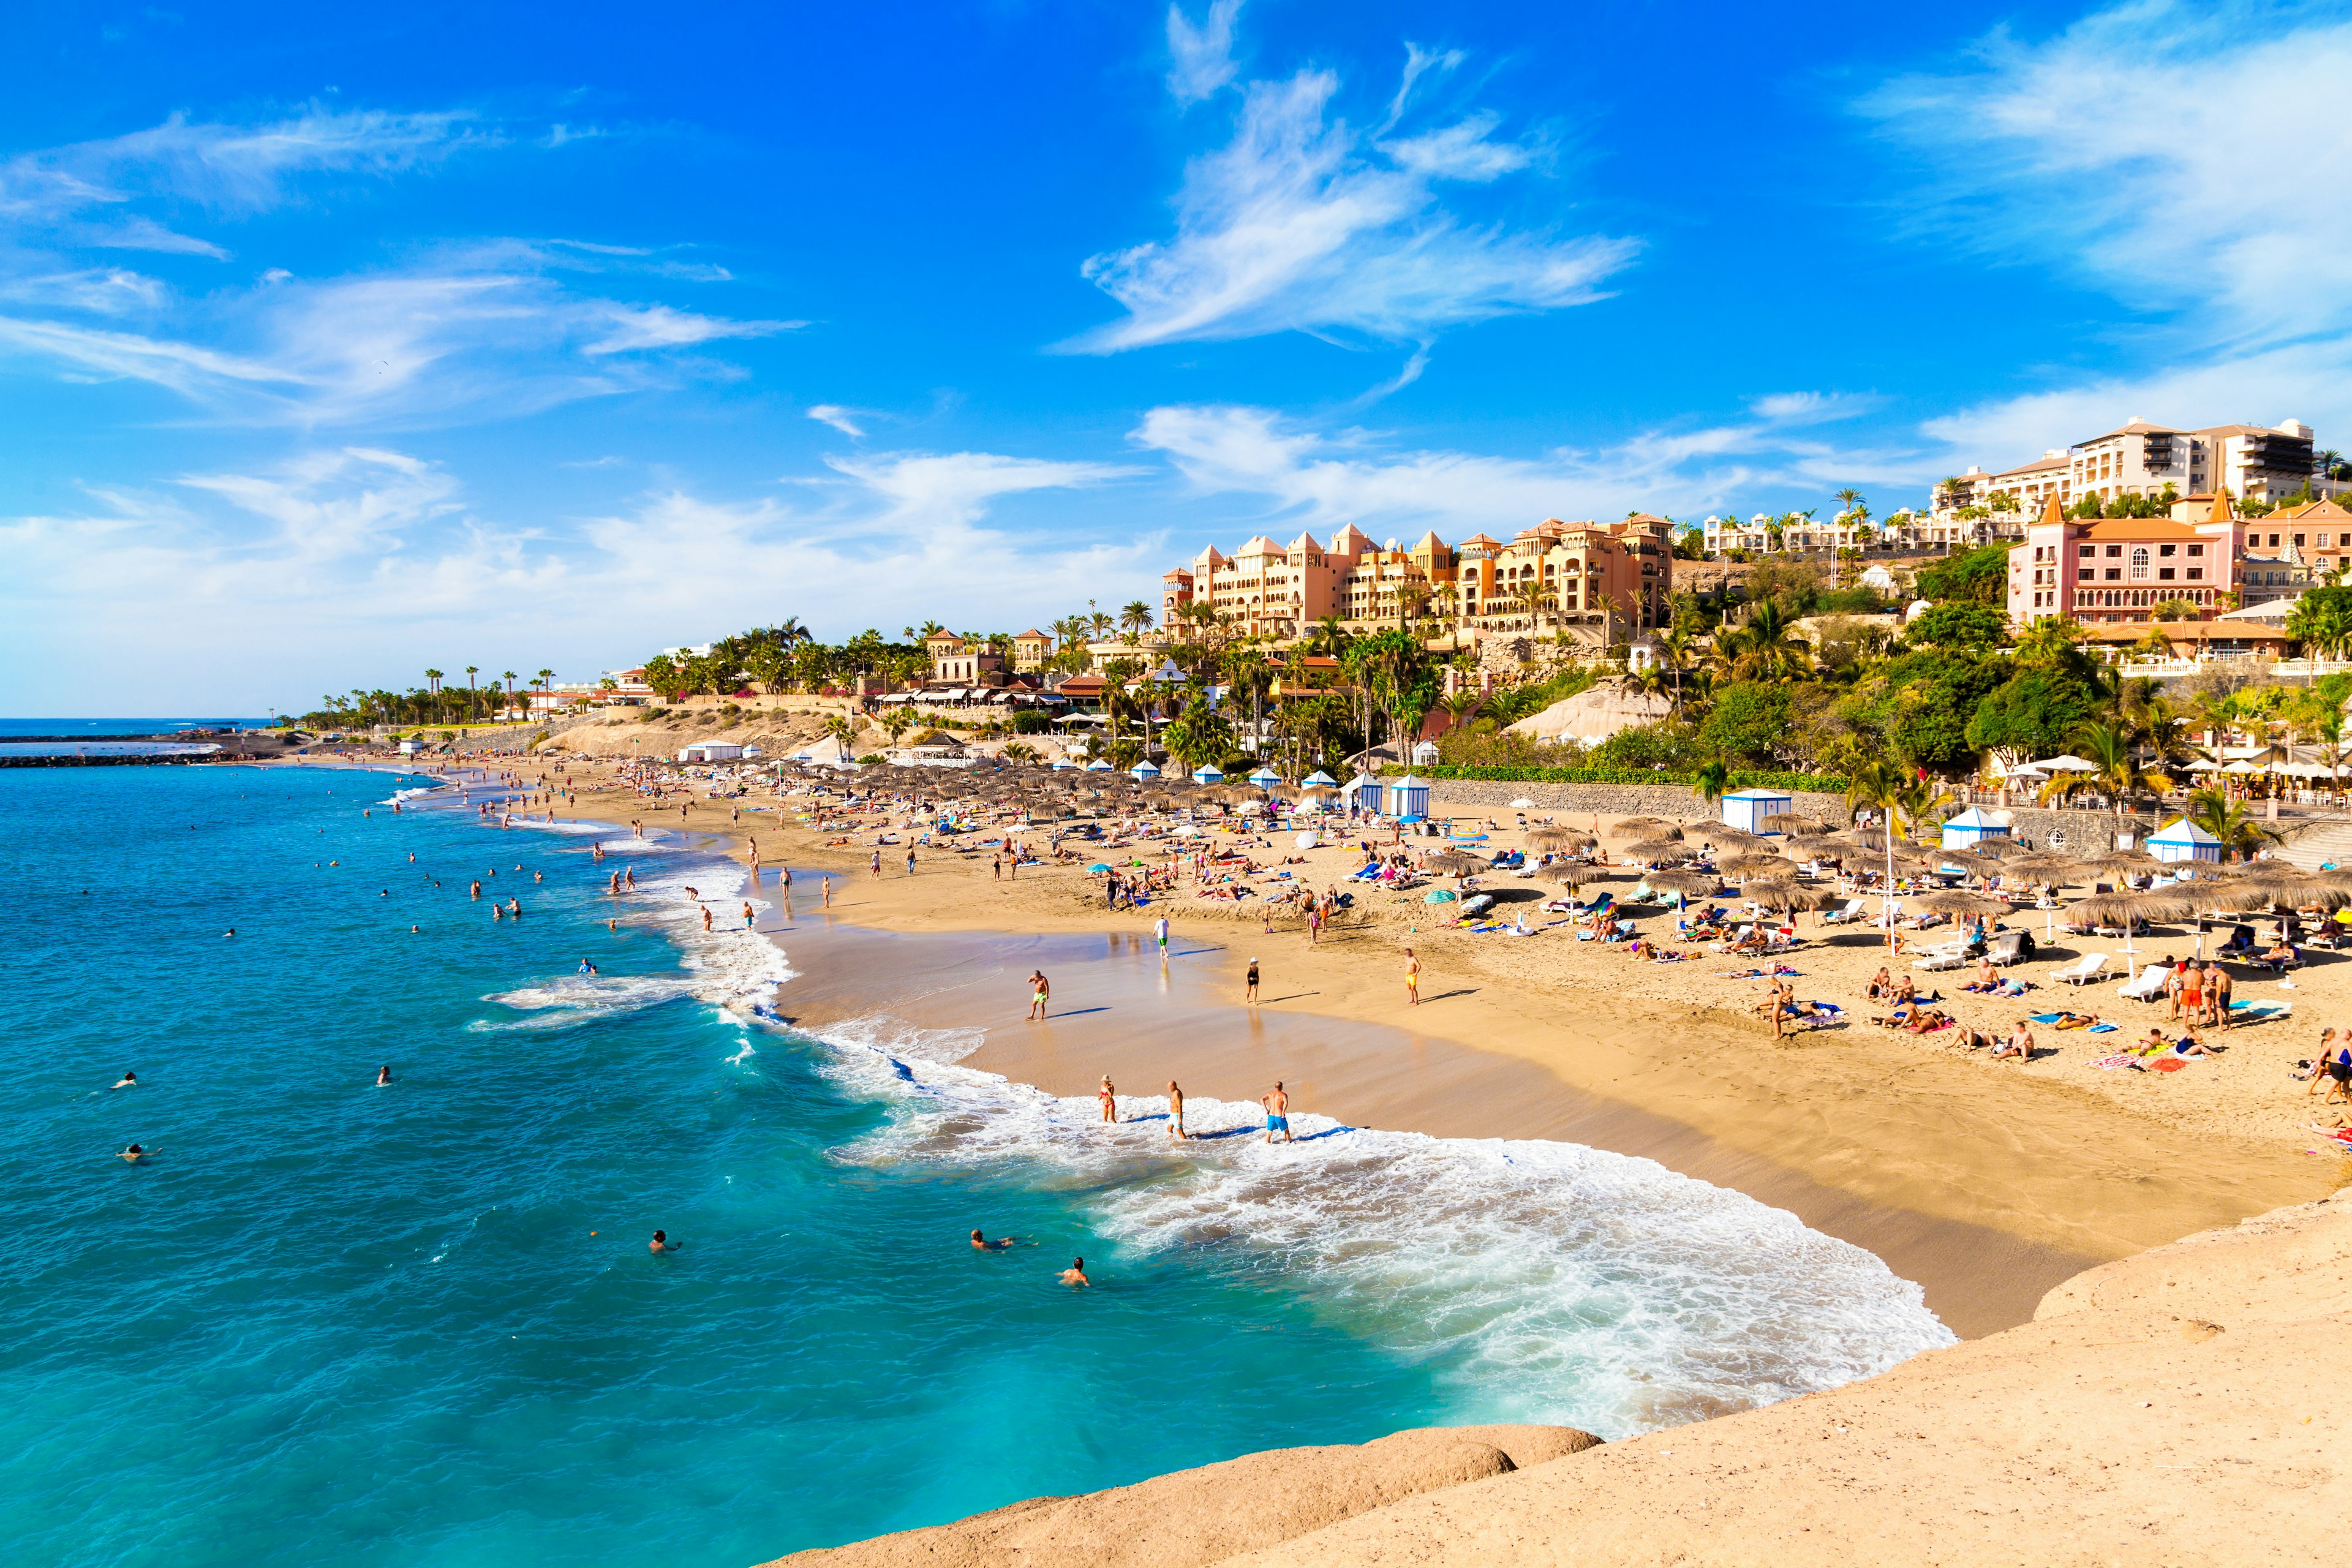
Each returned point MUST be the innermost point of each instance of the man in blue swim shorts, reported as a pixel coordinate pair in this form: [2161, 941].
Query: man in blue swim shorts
[1277, 1112]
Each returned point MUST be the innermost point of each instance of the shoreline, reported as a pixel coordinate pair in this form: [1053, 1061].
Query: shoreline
[1991, 1187]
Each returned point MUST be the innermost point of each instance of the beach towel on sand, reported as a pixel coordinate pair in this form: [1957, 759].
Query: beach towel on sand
[2108, 1064]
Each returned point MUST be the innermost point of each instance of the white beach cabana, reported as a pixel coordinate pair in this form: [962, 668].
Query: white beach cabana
[1143, 770]
[1364, 792]
[2184, 840]
[1265, 778]
[1972, 827]
[1408, 799]
[1207, 773]
[1752, 810]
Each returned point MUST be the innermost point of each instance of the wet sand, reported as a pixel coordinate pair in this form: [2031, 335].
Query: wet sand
[1115, 1010]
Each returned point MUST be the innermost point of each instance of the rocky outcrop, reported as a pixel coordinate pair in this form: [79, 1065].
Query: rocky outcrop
[1196, 1516]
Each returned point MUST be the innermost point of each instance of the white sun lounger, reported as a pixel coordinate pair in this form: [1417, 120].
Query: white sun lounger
[1951, 955]
[2147, 987]
[1852, 912]
[2087, 967]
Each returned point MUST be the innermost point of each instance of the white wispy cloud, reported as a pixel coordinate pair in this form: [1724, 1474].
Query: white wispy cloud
[1322, 478]
[1301, 222]
[1202, 56]
[2183, 156]
[441, 341]
[93, 190]
[2178, 158]
[840, 419]
[345, 565]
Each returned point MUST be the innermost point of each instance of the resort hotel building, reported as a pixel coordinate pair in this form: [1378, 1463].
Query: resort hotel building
[1616, 575]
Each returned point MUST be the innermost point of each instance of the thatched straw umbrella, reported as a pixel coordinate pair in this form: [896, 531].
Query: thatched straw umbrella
[1453, 863]
[1818, 845]
[1745, 865]
[1656, 849]
[1692, 884]
[2127, 909]
[1781, 893]
[1640, 826]
[1549, 841]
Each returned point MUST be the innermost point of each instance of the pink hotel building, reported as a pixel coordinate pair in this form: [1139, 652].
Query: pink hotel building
[2118, 570]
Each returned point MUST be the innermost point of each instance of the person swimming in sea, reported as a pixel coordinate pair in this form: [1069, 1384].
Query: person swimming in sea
[661, 1243]
[382, 1075]
[130, 1080]
[1075, 1274]
[133, 1155]
[586, 967]
[981, 1243]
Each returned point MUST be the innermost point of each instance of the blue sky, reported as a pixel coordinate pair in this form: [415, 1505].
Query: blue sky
[335, 346]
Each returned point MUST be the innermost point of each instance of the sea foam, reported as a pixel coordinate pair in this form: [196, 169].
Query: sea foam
[1548, 1281]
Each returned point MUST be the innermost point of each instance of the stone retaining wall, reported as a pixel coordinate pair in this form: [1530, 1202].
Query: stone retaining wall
[1676, 803]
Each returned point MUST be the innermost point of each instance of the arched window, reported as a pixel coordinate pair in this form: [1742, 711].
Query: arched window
[2140, 561]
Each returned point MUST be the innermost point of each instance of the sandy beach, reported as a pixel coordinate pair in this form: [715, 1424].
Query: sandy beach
[1995, 1186]
[2083, 1163]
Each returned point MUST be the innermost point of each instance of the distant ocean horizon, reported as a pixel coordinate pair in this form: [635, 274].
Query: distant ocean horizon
[98, 729]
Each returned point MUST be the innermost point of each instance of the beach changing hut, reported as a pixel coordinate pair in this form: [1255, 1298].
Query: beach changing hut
[1972, 827]
[1207, 773]
[1425, 755]
[1364, 793]
[1752, 810]
[2184, 840]
[1098, 766]
[1143, 770]
[1319, 779]
[1265, 778]
[1409, 799]
[710, 752]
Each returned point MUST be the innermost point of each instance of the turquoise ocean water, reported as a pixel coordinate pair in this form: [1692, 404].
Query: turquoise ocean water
[419, 1323]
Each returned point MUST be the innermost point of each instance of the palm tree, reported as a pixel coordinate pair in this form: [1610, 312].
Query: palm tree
[1249, 674]
[1904, 800]
[2230, 821]
[1098, 623]
[840, 728]
[1135, 619]
[1848, 499]
[1676, 648]
[1329, 639]
[2114, 753]
[1712, 781]
[473, 710]
[897, 721]
[510, 680]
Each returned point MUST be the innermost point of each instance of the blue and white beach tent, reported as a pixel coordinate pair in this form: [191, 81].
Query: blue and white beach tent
[1143, 770]
[1972, 827]
[2184, 840]
[1752, 810]
[1265, 778]
[1319, 779]
[1097, 766]
[1364, 792]
[1064, 764]
[1207, 773]
[1409, 799]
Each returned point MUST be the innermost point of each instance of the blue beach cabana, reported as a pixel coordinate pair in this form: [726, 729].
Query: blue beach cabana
[1364, 793]
[1970, 829]
[1265, 778]
[1207, 773]
[2184, 840]
[1752, 810]
[1319, 779]
[1143, 770]
[1409, 799]
[1098, 766]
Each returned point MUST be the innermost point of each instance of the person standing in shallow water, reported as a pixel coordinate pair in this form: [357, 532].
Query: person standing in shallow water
[1175, 1110]
[1277, 1111]
[1109, 1098]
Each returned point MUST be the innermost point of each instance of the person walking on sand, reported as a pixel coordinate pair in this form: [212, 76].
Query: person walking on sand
[1411, 979]
[1277, 1111]
[1249, 985]
[1175, 1109]
[878, 865]
[1040, 991]
[1109, 1098]
[1159, 931]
